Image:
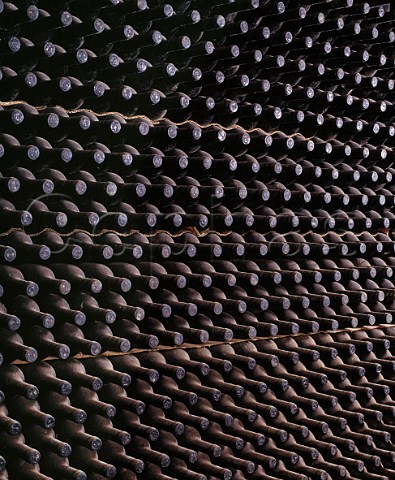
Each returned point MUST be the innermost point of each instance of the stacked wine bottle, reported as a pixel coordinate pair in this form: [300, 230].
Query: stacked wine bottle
[197, 261]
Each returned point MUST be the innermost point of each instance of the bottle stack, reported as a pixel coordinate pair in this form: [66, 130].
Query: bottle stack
[197, 255]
